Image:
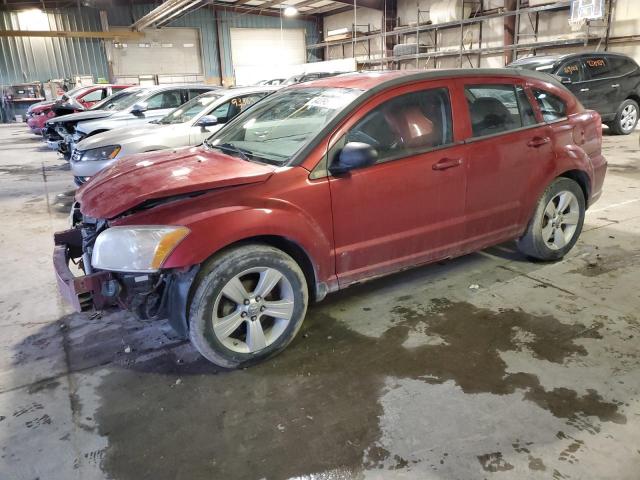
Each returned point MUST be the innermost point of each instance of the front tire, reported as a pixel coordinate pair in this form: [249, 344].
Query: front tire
[626, 118]
[556, 223]
[248, 305]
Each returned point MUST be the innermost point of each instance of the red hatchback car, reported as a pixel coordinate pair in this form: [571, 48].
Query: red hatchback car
[329, 183]
[74, 100]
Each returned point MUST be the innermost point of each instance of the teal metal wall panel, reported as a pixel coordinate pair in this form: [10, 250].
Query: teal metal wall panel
[26, 59]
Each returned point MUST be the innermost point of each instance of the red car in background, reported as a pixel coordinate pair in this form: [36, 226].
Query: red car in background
[326, 184]
[80, 98]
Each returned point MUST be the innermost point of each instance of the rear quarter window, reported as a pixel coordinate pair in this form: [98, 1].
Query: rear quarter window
[621, 66]
[552, 107]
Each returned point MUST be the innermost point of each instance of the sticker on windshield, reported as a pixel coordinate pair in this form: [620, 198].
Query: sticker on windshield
[331, 102]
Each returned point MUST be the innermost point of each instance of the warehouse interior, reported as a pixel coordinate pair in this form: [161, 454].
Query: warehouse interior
[486, 363]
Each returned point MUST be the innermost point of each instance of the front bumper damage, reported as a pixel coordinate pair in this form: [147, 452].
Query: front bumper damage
[162, 295]
[84, 292]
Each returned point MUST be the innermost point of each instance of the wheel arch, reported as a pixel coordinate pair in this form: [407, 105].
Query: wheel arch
[181, 294]
[316, 289]
[634, 96]
[582, 179]
[295, 251]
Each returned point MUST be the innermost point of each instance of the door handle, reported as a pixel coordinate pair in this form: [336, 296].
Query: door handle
[615, 85]
[447, 163]
[584, 89]
[536, 142]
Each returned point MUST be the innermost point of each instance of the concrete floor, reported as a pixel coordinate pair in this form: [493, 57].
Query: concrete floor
[533, 374]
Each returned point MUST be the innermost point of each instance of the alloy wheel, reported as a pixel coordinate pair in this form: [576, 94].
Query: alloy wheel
[629, 117]
[253, 309]
[560, 222]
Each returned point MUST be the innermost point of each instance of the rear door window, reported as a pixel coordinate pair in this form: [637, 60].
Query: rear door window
[553, 108]
[406, 125]
[597, 67]
[496, 109]
[572, 71]
[166, 99]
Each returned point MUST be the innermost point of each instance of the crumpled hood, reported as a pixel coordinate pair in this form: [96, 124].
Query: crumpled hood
[82, 116]
[148, 176]
[119, 136]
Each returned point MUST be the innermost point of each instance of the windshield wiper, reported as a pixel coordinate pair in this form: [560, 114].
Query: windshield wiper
[244, 154]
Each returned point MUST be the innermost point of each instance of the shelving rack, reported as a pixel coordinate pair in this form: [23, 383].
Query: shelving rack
[478, 17]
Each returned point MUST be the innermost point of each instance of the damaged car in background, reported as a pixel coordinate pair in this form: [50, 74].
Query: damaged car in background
[326, 184]
[57, 131]
[75, 100]
[144, 105]
[189, 124]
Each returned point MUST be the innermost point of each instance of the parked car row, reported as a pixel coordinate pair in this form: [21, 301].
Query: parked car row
[134, 106]
[78, 99]
[299, 78]
[189, 124]
[313, 188]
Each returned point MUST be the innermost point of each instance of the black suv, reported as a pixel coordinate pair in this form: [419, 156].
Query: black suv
[608, 83]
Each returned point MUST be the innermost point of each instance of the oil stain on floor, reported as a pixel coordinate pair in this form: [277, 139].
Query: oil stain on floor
[316, 408]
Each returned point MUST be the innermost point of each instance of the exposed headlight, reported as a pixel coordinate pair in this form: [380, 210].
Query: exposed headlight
[135, 249]
[103, 153]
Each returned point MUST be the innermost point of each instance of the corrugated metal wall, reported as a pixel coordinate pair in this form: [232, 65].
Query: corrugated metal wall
[24, 59]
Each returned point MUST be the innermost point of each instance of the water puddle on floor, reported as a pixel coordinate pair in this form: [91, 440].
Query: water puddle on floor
[316, 407]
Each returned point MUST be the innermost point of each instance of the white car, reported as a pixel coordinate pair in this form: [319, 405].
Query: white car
[189, 124]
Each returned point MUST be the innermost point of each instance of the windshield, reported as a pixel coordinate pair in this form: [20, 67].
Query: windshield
[193, 107]
[277, 127]
[121, 100]
[71, 93]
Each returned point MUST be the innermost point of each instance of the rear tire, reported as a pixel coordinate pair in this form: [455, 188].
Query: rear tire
[626, 118]
[556, 223]
[248, 305]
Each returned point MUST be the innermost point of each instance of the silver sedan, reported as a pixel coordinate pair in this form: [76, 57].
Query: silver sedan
[189, 124]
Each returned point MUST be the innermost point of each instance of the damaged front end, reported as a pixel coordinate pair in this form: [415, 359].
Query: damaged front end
[149, 295]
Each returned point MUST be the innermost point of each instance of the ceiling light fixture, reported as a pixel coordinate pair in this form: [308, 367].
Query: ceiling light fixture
[290, 11]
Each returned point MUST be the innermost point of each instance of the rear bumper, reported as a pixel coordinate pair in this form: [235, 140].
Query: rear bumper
[83, 292]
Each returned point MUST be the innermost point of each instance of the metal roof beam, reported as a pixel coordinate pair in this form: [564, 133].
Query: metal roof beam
[111, 35]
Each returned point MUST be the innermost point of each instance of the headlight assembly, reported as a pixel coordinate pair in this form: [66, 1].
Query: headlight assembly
[135, 249]
[103, 153]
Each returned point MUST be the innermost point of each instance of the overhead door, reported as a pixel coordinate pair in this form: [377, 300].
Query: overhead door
[264, 53]
[168, 51]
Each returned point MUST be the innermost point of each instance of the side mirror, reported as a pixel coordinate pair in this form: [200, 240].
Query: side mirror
[138, 109]
[353, 155]
[207, 121]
